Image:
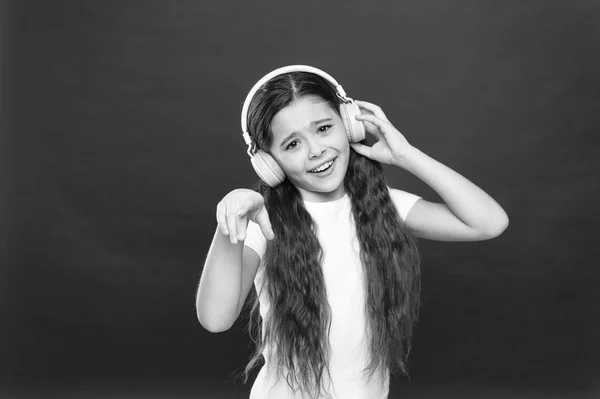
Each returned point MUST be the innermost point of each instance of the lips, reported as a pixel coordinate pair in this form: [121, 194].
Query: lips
[322, 167]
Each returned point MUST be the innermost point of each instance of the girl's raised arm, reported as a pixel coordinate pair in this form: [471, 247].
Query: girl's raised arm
[230, 267]
[467, 214]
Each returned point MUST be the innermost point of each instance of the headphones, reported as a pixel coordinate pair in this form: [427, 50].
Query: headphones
[264, 164]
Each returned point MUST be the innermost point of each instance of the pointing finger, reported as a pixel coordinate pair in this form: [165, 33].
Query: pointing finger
[221, 219]
[232, 226]
[242, 225]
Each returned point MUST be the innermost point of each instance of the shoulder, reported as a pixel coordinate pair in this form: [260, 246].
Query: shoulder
[403, 200]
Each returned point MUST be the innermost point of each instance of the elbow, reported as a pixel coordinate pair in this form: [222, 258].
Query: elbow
[498, 227]
[212, 324]
[502, 224]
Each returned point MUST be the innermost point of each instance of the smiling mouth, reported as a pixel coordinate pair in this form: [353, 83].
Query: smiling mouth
[323, 167]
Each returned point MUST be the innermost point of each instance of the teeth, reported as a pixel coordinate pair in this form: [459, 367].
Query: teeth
[325, 166]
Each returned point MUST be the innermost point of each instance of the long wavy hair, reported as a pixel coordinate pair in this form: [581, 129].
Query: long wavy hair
[297, 324]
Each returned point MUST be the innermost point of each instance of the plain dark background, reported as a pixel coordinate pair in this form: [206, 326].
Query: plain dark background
[120, 133]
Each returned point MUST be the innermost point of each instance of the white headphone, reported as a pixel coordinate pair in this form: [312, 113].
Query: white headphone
[264, 164]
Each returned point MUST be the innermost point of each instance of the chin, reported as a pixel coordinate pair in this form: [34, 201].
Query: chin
[330, 186]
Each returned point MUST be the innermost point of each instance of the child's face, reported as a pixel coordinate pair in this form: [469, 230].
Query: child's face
[307, 134]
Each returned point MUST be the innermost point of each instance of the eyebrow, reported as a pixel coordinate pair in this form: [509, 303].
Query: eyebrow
[312, 124]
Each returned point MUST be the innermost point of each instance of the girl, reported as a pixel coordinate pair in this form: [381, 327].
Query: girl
[329, 247]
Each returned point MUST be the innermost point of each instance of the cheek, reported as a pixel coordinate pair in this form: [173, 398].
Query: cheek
[291, 163]
[341, 135]
[344, 144]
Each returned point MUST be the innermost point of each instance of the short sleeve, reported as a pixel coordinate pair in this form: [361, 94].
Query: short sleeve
[403, 200]
[255, 239]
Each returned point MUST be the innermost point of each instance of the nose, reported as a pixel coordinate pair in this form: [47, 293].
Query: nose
[315, 149]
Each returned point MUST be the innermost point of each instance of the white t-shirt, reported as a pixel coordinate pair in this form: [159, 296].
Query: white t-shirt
[343, 274]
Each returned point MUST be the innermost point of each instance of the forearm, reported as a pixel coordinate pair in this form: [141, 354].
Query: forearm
[473, 206]
[220, 284]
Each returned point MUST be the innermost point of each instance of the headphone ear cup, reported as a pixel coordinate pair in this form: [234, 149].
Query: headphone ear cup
[267, 168]
[354, 129]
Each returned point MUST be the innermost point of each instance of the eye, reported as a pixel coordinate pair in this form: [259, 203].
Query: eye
[292, 145]
[324, 128]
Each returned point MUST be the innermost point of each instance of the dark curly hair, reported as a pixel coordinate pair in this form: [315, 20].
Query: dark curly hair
[296, 327]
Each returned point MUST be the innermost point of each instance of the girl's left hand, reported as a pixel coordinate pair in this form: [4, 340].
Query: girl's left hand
[391, 145]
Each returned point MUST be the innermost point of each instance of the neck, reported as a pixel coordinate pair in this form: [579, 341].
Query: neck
[312, 196]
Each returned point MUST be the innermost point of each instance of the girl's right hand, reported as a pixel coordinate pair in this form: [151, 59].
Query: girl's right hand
[239, 206]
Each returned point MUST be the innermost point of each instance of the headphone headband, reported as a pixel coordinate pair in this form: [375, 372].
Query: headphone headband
[275, 73]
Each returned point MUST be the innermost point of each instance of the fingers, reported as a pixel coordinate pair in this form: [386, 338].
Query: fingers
[375, 109]
[242, 225]
[382, 124]
[374, 118]
[362, 149]
[243, 209]
[262, 219]
[221, 220]
[236, 209]
[232, 222]
[232, 225]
